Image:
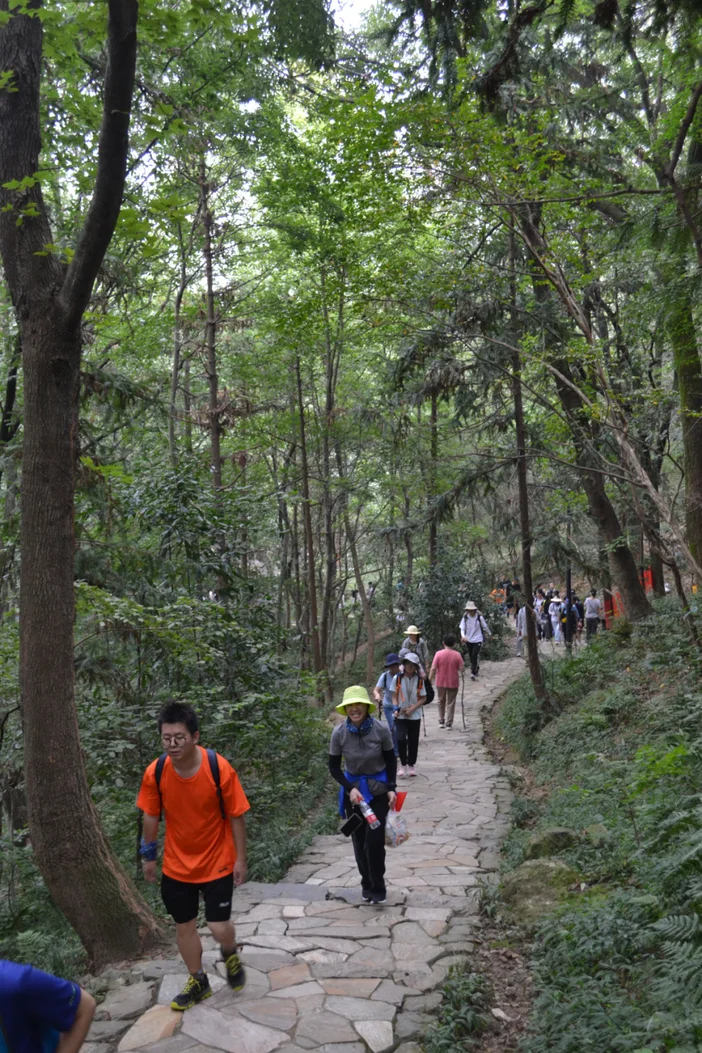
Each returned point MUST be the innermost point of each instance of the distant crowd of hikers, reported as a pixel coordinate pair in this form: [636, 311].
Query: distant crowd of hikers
[561, 619]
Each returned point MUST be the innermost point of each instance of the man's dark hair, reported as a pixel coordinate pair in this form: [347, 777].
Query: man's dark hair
[449, 640]
[179, 713]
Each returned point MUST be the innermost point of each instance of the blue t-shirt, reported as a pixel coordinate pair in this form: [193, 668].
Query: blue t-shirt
[34, 1008]
[385, 682]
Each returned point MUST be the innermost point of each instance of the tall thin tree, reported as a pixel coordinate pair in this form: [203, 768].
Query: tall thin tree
[71, 850]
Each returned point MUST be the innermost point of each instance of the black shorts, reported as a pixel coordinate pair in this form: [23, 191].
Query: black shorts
[182, 898]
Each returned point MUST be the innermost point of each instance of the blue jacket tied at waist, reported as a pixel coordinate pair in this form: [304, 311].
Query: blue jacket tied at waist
[362, 780]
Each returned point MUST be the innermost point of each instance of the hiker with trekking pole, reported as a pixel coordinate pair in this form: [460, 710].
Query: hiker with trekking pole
[445, 668]
[473, 629]
[202, 801]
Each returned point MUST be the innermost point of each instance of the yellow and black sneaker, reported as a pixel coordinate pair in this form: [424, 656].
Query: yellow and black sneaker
[194, 991]
[236, 977]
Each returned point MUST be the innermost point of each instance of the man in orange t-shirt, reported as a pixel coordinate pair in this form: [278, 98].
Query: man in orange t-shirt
[205, 846]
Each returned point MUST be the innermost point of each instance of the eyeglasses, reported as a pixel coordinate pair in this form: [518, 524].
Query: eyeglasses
[175, 740]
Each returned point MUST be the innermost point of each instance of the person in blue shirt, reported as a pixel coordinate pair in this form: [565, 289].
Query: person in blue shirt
[40, 1013]
[382, 693]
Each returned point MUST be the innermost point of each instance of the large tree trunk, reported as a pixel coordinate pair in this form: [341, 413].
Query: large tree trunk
[585, 435]
[621, 559]
[84, 879]
[688, 367]
[74, 858]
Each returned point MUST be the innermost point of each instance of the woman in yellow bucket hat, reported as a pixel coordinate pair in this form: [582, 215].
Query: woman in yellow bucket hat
[368, 775]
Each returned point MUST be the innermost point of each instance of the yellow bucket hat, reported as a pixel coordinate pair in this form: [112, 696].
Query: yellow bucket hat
[356, 694]
[412, 630]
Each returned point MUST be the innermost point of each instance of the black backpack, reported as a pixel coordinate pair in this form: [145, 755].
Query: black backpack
[160, 765]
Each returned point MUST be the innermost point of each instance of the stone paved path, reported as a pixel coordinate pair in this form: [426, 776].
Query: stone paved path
[326, 972]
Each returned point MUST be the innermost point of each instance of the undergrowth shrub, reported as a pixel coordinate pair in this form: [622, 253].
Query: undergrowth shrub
[461, 1017]
[619, 967]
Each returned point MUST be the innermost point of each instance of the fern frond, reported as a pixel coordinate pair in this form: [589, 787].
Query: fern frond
[674, 824]
[678, 928]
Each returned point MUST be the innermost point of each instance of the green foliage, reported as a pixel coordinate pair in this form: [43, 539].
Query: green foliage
[619, 968]
[32, 930]
[461, 1017]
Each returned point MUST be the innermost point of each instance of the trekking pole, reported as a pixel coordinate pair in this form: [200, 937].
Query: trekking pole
[424, 722]
[463, 685]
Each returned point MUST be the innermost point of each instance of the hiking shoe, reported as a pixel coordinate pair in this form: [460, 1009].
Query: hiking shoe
[379, 897]
[236, 977]
[194, 991]
[411, 771]
[400, 772]
[441, 724]
[449, 727]
[366, 897]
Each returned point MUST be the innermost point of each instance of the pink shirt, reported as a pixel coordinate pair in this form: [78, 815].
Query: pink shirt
[447, 664]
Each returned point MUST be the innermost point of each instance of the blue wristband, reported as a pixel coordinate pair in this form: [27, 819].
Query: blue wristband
[148, 851]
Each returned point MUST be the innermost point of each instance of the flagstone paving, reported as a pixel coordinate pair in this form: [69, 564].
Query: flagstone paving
[326, 972]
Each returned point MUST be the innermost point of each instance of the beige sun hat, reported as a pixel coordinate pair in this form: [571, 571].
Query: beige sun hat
[412, 630]
[470, 606]
[355, 694]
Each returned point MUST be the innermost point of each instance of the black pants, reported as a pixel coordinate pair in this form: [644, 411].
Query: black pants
[408, 740]
[591, 626]
[369, 845]
[473, 652]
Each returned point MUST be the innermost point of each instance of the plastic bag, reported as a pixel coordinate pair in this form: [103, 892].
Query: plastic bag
[396, 832]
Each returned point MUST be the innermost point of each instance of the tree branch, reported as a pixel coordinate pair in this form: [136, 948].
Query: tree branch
[103, 213]
[683, 130]
[31, 272]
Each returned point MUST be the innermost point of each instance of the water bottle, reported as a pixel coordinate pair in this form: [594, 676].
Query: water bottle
[369, 815]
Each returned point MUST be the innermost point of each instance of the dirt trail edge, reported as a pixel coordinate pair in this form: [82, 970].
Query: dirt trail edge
[326, 972]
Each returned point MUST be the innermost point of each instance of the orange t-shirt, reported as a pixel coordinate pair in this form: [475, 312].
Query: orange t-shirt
[199, 843]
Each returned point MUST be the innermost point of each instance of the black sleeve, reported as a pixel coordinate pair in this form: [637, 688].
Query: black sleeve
[337, 774]
[391, 767]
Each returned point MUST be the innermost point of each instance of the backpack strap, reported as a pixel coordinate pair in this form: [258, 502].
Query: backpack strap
[214, 768]
[158, 774]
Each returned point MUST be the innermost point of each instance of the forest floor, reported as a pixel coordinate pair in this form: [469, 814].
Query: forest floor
[326, 972]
